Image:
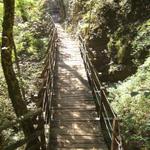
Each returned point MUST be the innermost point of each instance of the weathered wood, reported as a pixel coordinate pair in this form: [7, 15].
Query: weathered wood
[114, 144]
[74, 121]
[104, 109]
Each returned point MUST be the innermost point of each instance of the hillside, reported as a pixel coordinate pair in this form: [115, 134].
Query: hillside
[116, 32]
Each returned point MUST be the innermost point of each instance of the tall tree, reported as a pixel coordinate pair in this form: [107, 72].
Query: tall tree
[10, 76]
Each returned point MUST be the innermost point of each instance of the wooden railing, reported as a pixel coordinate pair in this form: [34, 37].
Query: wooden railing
[108, 118]
[40, 117]
[46, 92]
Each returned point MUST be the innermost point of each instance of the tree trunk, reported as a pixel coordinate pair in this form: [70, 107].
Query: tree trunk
[7, 65]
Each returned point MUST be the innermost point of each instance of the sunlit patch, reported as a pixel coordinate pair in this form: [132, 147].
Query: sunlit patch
[62, 127]
[75, 126]
[67, 141]
[75, 114]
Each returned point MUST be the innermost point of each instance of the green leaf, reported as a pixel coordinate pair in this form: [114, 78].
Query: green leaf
[134, 93]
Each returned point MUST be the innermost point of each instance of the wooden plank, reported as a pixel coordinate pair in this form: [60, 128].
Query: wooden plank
[74, 121]
[75, 96]
[71, 148]
[95, 146]
[72, 102]
[61, 114]
[74, 107]
[85, 128]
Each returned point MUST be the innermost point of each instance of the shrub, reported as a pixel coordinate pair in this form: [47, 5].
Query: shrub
[131, 101]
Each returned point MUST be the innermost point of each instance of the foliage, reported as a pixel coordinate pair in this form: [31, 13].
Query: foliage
[131, 101]
[120, 44]
[31, 39]
[26, 9]
[130, 44]
[112, 31]
[83, 15]
[134, 11]
[141, 44]
[26, 42]
[6, 111]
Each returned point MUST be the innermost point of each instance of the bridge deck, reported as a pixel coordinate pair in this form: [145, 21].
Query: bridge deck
[74, 125]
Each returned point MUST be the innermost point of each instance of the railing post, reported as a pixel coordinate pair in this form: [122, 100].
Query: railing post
[101, 103]
[108, 118]
[115, 134]
[42, 136]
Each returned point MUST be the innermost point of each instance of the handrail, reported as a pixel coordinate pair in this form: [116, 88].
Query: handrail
[108, 118]
[47, 90]
[45, 98]
[48, 75]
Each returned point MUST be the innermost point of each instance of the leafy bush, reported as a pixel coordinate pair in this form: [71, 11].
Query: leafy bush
[31, 38]
[141, 43]
[6, 111]
[131, 101]
[118, 28]
[135, 11]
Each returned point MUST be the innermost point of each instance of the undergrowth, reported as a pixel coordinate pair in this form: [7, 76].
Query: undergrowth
[31, 40]
[131, 101]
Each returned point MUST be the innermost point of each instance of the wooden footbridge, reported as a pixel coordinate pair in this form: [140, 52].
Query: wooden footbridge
[74, 112]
